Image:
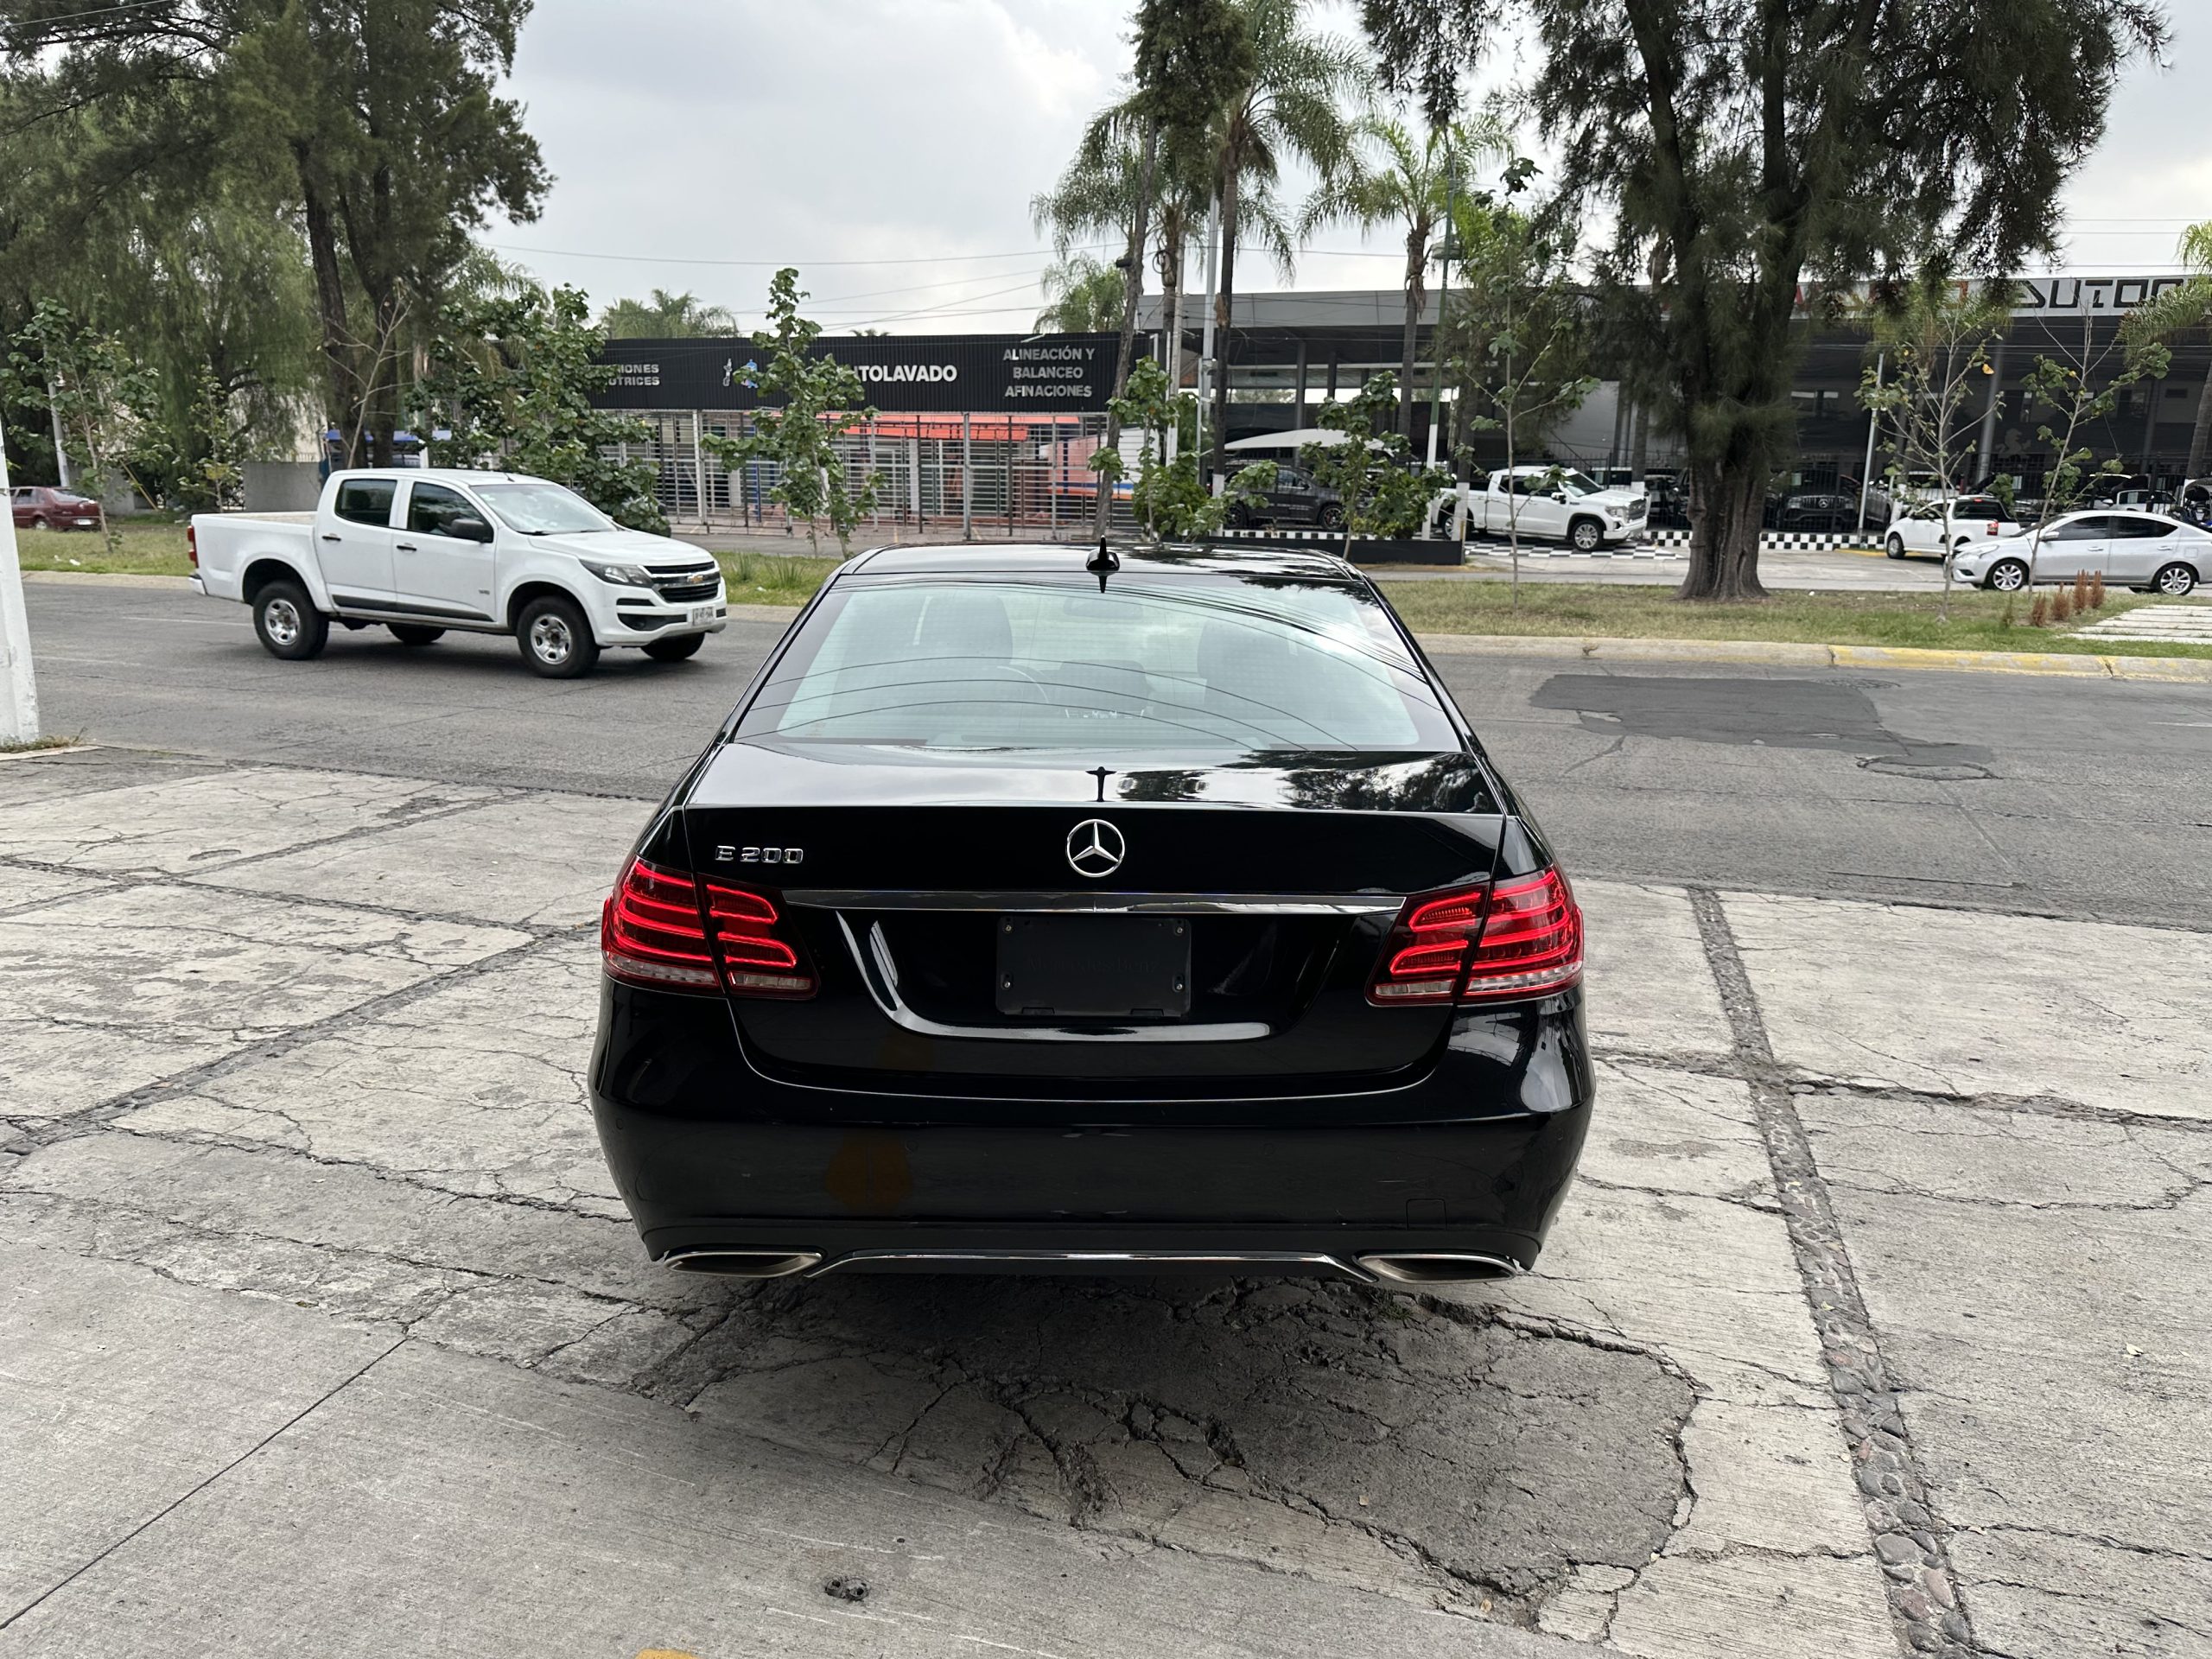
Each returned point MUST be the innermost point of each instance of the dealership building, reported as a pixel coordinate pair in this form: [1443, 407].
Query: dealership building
[995, 431]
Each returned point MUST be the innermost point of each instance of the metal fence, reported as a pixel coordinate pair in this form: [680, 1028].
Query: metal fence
[981, 475]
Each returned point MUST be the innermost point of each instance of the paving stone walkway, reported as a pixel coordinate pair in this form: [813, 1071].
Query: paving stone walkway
[1876, 1322]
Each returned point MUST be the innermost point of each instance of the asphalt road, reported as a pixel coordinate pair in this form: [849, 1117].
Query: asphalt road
[2071, 796]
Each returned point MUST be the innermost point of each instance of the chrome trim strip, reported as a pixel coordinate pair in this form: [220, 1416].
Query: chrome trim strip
[1081, 1259]
[880, 975]
[1146, 904]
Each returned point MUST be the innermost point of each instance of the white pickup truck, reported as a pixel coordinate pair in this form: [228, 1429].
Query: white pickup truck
[420, 551]
[1547, 503]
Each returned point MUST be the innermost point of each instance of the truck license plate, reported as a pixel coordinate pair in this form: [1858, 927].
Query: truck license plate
[701, 613]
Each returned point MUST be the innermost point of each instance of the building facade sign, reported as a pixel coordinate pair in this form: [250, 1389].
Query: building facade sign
[996, 374]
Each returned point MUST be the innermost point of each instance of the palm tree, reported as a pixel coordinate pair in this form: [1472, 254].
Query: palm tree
[1290, 106]
[666, 316]
[1094, 199]
[2176, 310]
[1082, 296]
[1414, 185]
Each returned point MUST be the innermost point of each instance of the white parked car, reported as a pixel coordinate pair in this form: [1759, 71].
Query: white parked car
[1547, 503]
[422, 550]
[2148, 551]
[1937, 529]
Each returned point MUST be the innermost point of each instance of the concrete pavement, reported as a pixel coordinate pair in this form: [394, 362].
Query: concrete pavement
[1876, 1311]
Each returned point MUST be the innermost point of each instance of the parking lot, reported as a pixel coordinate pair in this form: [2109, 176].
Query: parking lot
[1876, 1322]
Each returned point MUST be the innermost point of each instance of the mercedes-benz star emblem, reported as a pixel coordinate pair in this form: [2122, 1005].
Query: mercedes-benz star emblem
[1096, 847]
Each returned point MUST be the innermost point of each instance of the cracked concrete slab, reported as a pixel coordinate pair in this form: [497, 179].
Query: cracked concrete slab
[123, 987]
[1967, 1003]
[1650, 992]
[2038, 1280]
[440, 1503]
[22, 884]
[476, 1087]
[43, 775]
[1346, 1435]
[176, 826]
[543, 861]
[115, 1405]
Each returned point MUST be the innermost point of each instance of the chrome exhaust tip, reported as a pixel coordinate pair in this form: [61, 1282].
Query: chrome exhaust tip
[742, 1264]
[1439, 1267]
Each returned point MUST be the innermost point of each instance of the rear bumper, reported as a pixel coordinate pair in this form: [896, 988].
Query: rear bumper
[711, 1156]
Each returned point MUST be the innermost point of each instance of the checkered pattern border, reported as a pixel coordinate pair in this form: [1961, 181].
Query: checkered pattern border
[1657, 545]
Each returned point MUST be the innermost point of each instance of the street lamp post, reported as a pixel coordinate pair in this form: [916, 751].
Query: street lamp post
[1443, 293]
[18, 689]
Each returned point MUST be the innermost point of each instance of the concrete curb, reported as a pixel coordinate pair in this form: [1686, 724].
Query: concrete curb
[106, 579]
[2195, 671]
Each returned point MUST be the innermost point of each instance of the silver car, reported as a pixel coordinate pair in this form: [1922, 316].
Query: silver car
[2150, 552]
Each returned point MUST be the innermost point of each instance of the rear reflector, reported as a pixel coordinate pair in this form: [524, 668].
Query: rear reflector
[663, 930]
[191, 545]
[1518, 938]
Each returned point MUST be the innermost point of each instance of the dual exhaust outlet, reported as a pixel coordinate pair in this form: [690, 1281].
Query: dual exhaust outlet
[1380, 1268]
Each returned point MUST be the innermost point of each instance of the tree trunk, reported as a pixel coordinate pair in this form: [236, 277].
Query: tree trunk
[1131, 286]
[1222, 295]
[339, 368]
[1727, 499]
[1416, 291]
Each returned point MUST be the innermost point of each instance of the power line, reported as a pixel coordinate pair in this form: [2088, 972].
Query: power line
[802, 264]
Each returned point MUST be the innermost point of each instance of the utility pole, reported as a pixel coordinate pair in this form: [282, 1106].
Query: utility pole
[60, 449]
[1207, 366]
[1443, 293]
[18, 689]
[1873, 425]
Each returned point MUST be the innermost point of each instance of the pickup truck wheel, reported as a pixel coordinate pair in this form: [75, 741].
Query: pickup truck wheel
[2174, 579]
[414, 633]
[675, 648]
[1586, 534]
[2006, 576]
[555, 639]
[287, 622]
[1894, 547]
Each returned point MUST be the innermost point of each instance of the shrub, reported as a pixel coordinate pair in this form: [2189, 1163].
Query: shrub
[2062, 605]
[2038, 611]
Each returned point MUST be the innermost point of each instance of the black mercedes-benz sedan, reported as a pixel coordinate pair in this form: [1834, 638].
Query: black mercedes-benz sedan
[1079, 911]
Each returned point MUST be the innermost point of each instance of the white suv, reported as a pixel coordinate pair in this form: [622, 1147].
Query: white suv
[421, 552]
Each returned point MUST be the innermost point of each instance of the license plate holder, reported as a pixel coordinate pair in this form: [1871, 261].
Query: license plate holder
[1094, 967]
[702, 615]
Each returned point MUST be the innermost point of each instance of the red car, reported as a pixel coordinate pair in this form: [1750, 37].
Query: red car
[41, 507]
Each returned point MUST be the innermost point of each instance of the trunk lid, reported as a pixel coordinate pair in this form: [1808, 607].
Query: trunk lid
[909, 876]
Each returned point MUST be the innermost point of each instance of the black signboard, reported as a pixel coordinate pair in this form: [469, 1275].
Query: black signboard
[997, 374]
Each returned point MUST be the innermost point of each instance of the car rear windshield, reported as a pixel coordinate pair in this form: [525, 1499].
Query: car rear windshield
[1210, 665]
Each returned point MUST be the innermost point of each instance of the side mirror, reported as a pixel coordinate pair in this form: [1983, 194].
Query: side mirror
[1559, 495]
[467, 527]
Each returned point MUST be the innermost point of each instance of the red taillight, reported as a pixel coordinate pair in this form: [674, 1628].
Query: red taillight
[1518, 938]
[191, 545]
[661, 928]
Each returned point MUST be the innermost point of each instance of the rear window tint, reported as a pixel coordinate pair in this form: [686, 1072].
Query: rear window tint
[1208, 664]
[365, 500]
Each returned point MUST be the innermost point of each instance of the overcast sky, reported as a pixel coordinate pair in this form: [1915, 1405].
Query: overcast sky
[890, 148]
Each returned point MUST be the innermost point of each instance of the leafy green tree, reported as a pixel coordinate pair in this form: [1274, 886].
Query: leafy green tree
[98, 394]
[1082, 297]
[1413, 183]
[1741, 148]
[666, 316]
[383, 123]
[1517, 336]
[817, 400]
[1372, 469]
[2079, 388]
[1170, 499]
[512, 379]
[1933, 336]
[1295, 102]
[2186, 308]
